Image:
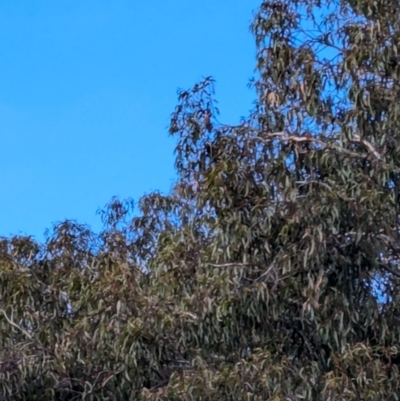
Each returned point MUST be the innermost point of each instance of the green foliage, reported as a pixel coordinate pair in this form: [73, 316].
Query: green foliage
[256, 278]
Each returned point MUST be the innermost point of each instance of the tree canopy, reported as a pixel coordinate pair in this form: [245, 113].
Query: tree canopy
[269, 272]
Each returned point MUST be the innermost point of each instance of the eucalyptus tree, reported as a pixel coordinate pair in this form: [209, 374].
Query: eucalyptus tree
[256, 277]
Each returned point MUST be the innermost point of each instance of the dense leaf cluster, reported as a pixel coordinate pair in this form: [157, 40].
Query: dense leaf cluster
[270, 272]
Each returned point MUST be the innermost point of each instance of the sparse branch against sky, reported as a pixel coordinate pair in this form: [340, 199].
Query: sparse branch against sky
[86, 93]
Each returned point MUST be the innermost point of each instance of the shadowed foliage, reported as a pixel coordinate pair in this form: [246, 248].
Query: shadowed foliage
[269, 272]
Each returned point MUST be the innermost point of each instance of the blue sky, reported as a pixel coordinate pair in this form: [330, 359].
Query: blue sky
[86, 93]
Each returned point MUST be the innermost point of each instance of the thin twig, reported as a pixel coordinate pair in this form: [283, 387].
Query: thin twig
[15, 325]
[390, 270]
[234, 264]
[368, 145]
[295, 138]
[266, 272]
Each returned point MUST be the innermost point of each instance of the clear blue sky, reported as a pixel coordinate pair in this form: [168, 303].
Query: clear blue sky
[86, 92]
